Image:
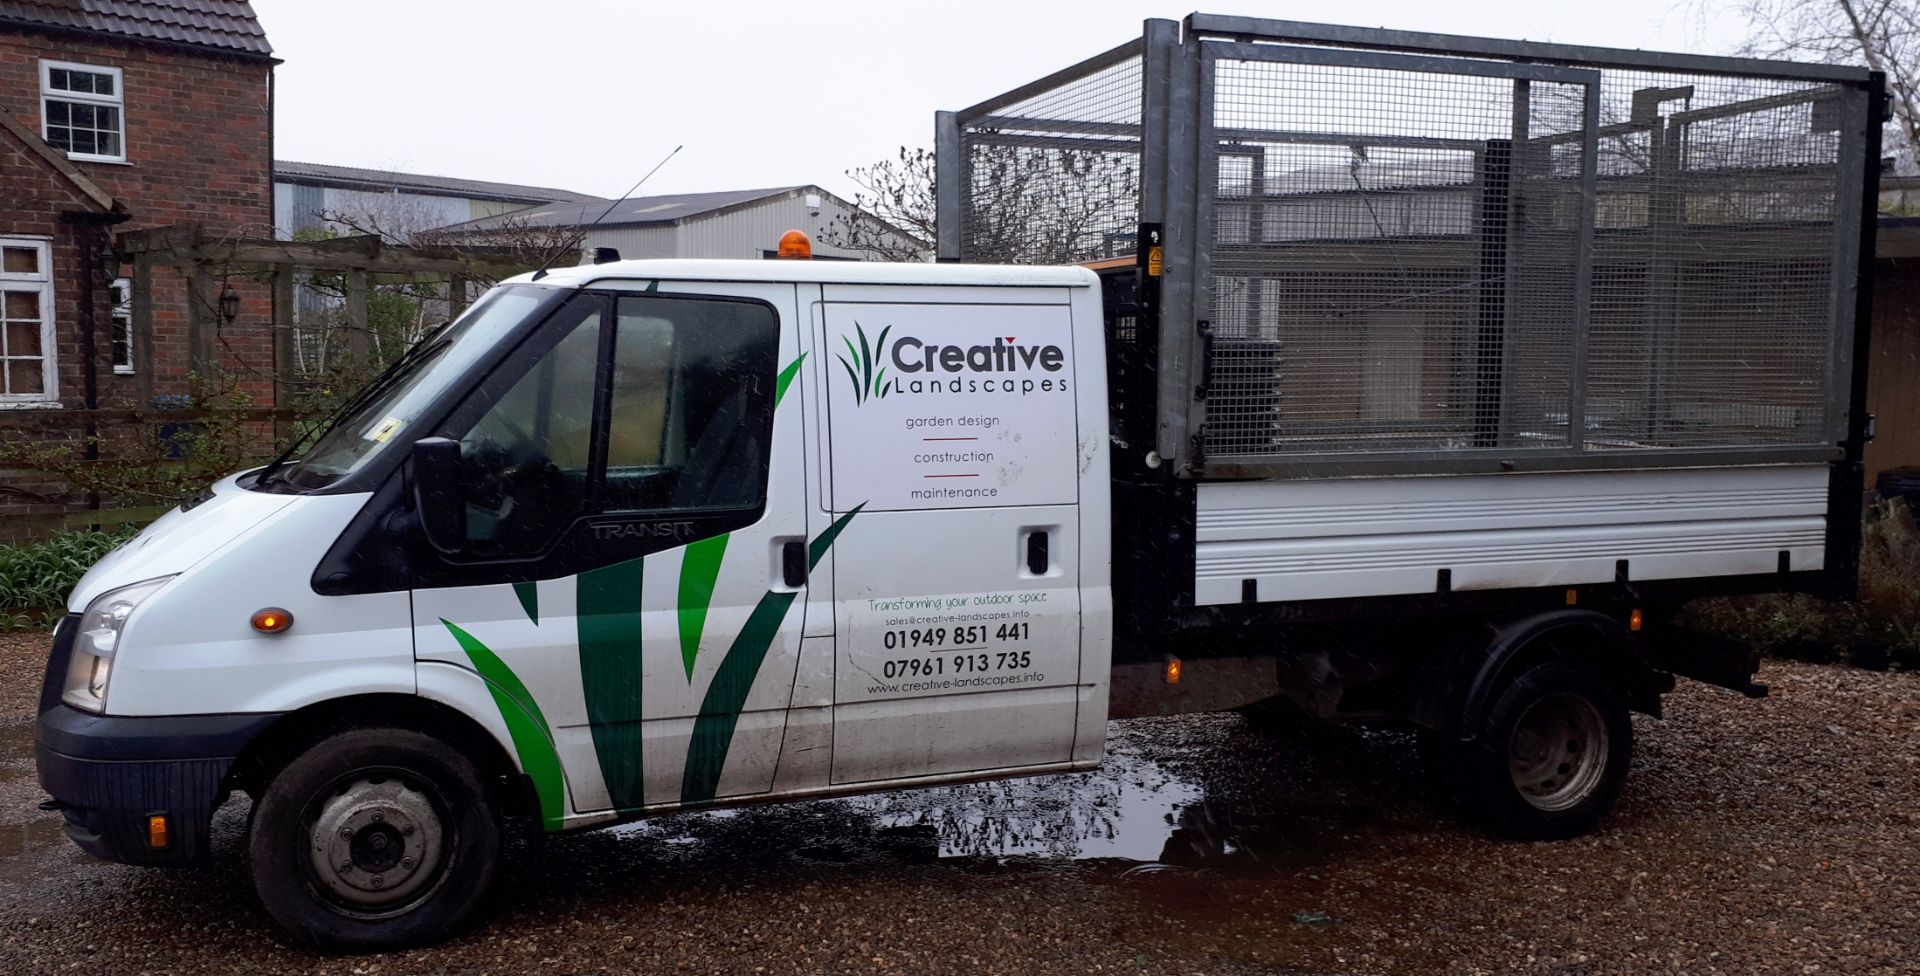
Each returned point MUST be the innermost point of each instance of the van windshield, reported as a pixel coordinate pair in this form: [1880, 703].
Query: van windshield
[384, 412]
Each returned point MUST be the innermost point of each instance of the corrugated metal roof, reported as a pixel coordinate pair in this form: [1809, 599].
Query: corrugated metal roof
[381, 180]
[663, 209]
[227, 25]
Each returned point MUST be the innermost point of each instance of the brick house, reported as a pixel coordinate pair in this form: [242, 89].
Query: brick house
[117, 115]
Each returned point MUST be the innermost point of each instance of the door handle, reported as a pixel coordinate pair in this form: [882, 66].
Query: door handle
[1038, 559]
[793, 563]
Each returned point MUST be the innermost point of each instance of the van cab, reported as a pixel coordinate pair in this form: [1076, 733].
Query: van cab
[622, 539]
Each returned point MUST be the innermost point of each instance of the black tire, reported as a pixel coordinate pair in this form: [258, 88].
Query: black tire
[1516, 781]
[389, 791]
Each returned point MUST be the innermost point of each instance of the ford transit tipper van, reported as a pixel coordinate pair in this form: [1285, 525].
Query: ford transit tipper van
[1426, 417]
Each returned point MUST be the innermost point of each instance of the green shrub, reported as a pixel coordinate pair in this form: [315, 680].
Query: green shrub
[1880, 629]
[35, 577]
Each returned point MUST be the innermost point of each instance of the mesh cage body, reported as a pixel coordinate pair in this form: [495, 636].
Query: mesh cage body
[1056, 178]
[1422, 256]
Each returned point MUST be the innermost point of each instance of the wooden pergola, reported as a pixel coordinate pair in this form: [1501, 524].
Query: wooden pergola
[204, 258]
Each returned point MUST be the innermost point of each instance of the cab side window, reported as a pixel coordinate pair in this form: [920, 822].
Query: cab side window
[691, 419]
[526, 463]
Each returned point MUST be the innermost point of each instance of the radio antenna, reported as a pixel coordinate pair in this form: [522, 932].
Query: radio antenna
[541, 272]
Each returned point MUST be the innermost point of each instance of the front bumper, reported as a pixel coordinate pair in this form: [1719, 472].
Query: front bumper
[108, 773]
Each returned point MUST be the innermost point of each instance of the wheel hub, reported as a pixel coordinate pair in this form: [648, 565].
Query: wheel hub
[1558, 755]
[376, 841]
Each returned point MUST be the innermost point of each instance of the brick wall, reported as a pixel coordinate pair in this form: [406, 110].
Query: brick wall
[198, 146]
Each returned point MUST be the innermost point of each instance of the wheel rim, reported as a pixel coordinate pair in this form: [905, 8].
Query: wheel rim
[1558, 755]
[377, 842]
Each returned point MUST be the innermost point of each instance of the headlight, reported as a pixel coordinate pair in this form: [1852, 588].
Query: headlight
[99, 637]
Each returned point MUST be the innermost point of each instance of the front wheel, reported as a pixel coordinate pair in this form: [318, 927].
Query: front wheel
[374, 839]
[1551, 756]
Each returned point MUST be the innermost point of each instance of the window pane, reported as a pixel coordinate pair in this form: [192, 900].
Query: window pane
[524, 462]
[109, 144]
[82, 141]
[22, 338]
[692, 413]
[57, 79]
[23, 305]
[642, 375]
[21, 260]
[103, 84]
[80, 116]
[24, 377]
[122, 342]
[59, 113]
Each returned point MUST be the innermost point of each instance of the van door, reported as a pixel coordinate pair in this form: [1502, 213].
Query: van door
[633, 485]
[953, 436]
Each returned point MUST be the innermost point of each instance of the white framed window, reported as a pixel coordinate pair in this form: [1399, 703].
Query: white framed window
[121, 316]
[81, 111]
[26, 321]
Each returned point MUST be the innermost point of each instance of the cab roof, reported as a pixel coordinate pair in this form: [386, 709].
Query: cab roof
[818, 272]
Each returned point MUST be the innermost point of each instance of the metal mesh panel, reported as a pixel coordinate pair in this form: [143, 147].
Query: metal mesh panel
[1375, 235]
[1481, 251]
[1395, 261]
[1712, 288]
[1055, 178]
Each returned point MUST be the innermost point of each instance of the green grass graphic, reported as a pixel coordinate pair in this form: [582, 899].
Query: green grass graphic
[860, 368]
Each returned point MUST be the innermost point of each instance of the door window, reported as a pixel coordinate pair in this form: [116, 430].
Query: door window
[526, 464]
[682, 414]
[691, 420]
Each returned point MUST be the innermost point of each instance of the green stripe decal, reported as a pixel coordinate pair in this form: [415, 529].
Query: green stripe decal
[786, 379]
[610, 671]
[526, 726]
[529, 595]
[720, 709]
[698, 570]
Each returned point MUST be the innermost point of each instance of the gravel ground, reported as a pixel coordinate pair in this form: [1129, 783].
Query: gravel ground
[1764, 837]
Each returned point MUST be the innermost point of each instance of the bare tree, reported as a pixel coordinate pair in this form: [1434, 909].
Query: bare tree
[1882, 34]
[893, 211]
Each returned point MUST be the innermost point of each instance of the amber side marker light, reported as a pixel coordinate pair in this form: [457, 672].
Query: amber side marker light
[1634, 619]
[157, 830]
[271, 620]
[1173, 670]
[795, 246]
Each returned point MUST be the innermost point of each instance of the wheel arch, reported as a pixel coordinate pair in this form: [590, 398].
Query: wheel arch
[1586, 635]
[298, 730]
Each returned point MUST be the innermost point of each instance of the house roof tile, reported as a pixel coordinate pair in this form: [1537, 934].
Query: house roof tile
[224, 25]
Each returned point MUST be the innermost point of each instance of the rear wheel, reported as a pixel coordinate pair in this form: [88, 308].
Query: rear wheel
[374, 839]
[1551, 755]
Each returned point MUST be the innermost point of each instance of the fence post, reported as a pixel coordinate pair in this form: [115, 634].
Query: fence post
[200, 326]
[357, 338]
[283, 358]
[142, 300]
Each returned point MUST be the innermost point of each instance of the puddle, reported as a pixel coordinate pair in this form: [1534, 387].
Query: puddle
[28, 850]
[1129, 811]
[1206, 795]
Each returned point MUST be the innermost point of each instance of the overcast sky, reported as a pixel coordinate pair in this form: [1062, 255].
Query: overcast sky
[587, 95]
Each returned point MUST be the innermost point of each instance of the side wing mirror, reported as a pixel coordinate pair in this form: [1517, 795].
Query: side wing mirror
[436, 493]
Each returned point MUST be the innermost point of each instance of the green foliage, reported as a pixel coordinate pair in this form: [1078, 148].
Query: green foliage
[1880, 629]
[35, 577]
[158, 463]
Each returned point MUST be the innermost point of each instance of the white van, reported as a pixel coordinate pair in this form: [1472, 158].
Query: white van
[630, 538]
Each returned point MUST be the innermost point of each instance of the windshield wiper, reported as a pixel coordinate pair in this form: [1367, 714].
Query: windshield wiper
[429, 343]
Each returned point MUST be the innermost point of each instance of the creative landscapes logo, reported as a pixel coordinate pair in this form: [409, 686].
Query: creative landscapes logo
[921, 367]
